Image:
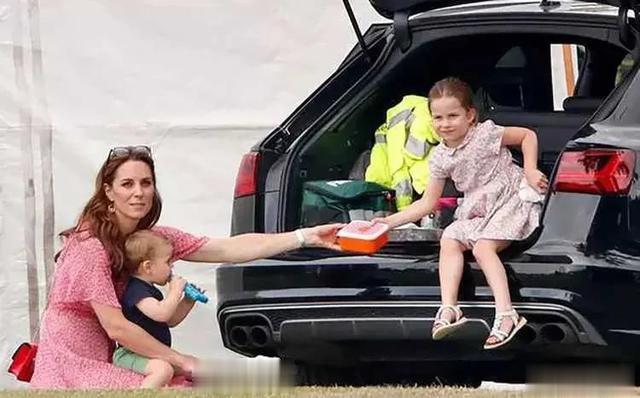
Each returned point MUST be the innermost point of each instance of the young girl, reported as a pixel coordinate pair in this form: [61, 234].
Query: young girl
[492, 213]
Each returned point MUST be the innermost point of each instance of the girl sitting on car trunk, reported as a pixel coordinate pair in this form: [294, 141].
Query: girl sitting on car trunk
[499, 203]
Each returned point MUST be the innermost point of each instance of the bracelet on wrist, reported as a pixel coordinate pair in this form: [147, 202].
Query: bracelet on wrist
[300, 236]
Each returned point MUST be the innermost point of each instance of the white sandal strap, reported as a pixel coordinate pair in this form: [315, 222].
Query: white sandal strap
[441, 322]
[457, 313]
[499, 334]
[497, 323]
[504, 314]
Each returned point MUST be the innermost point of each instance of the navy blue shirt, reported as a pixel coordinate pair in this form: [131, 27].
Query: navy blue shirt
[136, 290]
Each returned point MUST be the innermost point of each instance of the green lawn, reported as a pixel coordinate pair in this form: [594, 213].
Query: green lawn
[307, 392]
[335, 392]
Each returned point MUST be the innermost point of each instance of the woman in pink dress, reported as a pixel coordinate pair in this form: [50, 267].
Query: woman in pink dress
[83, 319]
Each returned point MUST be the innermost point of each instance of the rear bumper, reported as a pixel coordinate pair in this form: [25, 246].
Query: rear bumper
[410, 320]
[294, 329]
[330, 311]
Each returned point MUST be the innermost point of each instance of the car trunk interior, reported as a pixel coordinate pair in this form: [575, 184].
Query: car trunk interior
[512, 83]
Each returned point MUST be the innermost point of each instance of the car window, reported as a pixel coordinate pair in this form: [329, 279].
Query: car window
[566, 63]
[533, 77]
[505, 87]
[514, 58]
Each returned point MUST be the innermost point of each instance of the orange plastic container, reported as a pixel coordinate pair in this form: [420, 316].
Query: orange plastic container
[363, 236]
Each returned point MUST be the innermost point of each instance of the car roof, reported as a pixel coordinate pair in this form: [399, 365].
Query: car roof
[522, 6]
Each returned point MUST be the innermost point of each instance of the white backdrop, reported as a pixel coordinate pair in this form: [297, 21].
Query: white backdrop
[200, 81]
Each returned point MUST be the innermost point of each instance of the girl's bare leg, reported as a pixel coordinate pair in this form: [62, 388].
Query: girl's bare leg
[450, 269]
[486, 254]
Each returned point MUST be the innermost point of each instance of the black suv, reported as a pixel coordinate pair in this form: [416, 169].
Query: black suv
[344, 318]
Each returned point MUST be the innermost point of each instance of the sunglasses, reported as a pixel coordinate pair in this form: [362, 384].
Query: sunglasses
[124, 151]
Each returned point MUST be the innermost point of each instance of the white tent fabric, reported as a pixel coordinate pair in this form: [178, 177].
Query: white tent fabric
[199, 81]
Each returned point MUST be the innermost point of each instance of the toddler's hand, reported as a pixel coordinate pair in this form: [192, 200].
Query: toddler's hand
[537, 180]
[188, 365]
[380, 220]
[177, 284]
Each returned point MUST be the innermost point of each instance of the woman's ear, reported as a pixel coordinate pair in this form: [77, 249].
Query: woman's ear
[107, 191]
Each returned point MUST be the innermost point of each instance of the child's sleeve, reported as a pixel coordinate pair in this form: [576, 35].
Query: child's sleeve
[436, 170]
[132, 296]
[491, 136]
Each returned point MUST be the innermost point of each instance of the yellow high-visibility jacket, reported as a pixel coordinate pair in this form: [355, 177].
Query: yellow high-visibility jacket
[400, 155]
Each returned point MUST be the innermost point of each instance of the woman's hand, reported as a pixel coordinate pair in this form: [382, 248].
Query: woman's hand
[322, 236]
[537, 180]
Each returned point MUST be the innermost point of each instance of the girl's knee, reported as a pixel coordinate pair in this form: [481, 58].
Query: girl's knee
[484, 248]
[450, 245]
[160, 368]
[478, 251]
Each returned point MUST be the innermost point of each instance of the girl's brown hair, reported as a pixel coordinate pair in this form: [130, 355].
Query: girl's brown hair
[453, 87]
[100, 223]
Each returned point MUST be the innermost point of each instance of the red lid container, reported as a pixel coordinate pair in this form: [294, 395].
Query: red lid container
[363, 236]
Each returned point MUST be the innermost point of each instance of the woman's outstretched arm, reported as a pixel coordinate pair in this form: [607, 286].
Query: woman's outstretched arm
[247, 247]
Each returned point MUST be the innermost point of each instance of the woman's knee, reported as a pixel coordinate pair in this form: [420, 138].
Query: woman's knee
[160, 368]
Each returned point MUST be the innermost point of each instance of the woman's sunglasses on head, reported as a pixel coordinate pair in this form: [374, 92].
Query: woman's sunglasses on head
[123, 151]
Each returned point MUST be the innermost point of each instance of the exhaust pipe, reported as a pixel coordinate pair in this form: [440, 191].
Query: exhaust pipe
[259, 336]
[239, 336]
[557, 333]
[528, 334]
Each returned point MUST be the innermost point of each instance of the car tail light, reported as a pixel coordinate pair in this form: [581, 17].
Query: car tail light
[246, 180]
[596, 171]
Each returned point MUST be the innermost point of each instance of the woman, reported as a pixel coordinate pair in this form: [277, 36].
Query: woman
[84, 318]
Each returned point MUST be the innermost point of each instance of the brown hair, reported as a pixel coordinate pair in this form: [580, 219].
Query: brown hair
[452, 87]
[141, 246]
[100, 223]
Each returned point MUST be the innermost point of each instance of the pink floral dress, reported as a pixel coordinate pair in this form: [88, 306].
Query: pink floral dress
[484, 171]
[74, 350]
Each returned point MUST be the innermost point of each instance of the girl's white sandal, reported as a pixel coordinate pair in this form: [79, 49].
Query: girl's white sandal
[501, 336]
[443, 327]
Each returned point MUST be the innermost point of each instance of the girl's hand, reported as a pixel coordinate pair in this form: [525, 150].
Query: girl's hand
[380, 220]
[322, 236]
[537, 180]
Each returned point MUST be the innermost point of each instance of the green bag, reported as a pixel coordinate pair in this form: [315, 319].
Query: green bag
[343, 201]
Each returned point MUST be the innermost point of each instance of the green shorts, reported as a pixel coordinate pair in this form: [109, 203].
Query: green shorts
[124, 358]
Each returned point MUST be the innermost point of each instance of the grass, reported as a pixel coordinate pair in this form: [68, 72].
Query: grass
[332, 392]
[301, 392]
